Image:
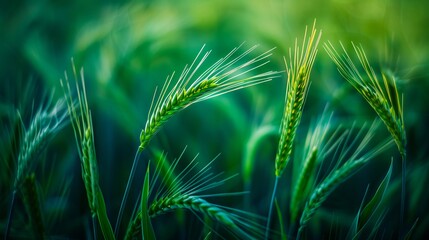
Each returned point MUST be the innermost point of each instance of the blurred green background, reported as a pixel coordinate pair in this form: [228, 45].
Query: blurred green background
[127, 48]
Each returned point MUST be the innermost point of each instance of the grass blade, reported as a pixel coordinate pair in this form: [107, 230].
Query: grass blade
[281, 222]
[146, 225]
[106, 227]
[374, 203]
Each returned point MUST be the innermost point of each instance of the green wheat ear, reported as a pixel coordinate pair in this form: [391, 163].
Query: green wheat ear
[196, 85]
[81, 119]
[298, 80]
[352, 153]
[44, 126]
[382, 96]
[298, 70]
[306, 170]
[188, 191]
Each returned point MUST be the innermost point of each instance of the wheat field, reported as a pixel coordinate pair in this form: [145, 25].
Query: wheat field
[214, 120]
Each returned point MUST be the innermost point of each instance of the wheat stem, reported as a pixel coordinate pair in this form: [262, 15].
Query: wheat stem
[270, 210]
[126, 192]
[403, 194]
[10, 216]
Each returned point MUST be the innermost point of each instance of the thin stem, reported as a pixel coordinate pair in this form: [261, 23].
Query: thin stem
[94, 228]
[9, 220]
[270, 211]
[403, 193]
[298, 235]
[127, 191]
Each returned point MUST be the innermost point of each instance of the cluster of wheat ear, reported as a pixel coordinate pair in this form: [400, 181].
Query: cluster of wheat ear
[349, 156]
[44, 125]
[382, 97]
[195, 84]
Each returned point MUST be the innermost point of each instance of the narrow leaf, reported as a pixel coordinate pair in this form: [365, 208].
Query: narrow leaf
[105, 226]
[373, 204]
[410, 233]
[147, 229]
[281, 222]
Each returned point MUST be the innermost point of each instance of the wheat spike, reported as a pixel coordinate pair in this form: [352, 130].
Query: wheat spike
[81, 119]
[192, 86]
[298, 70]
[312, 152]
[383, 96]
[44, 126]
[189, 191]
[352, 154]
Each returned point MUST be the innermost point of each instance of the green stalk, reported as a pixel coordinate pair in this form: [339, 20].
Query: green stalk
[10, 216]
[270, 211]
[127, 191]
[403, 193]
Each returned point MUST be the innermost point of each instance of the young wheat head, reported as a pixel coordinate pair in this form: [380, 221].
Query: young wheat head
[195, 85]
[43, 127]
[298, 70]
[189, 191]
[352, 152]
[382, 96]
[84, 136]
